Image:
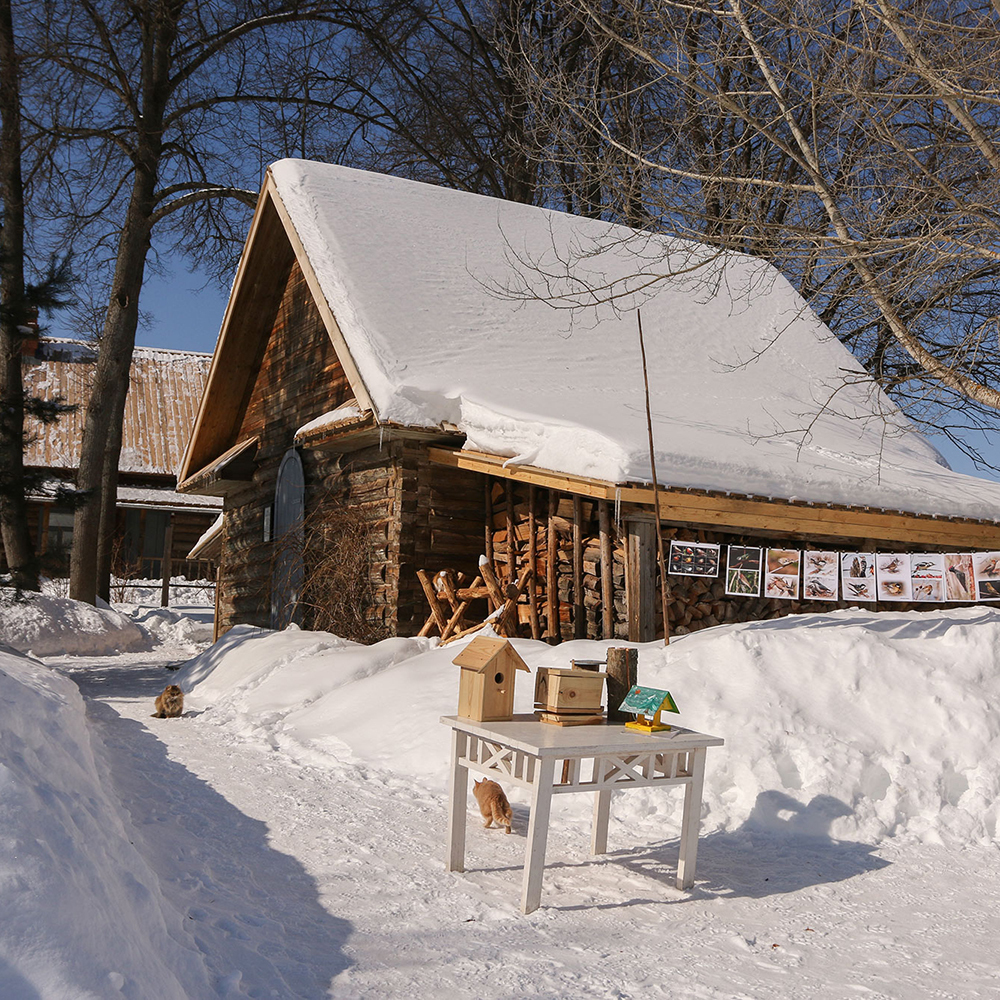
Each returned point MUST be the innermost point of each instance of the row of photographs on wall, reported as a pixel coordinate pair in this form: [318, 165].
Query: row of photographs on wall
[794, 574]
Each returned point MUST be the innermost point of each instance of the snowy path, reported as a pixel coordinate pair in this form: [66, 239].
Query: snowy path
[309, 878]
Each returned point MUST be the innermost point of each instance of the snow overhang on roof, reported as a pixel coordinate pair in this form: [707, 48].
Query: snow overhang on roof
[518, 326]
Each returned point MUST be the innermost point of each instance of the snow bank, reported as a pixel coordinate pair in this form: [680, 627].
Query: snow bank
[190, 625]
[47, 625]
[849, 724]
[81, 915]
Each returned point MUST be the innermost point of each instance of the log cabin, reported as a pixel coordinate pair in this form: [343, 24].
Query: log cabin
[411, 379]
[153, 519]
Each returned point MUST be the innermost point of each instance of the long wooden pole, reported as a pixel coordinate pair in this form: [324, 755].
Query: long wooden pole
[579, 610]
[552, 573]
[607, 572]
[664, 586]
[536, 628]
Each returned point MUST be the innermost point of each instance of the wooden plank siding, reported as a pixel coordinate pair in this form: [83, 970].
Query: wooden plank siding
[299, 378]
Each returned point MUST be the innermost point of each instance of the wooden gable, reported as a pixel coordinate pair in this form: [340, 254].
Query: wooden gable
[300, 375]
[279, 344]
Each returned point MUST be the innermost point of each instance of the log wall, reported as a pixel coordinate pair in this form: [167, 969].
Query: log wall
[299, 379]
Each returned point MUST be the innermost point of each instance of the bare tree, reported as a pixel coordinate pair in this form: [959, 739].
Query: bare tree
[157, 108]
[20, 302]
[854, 145]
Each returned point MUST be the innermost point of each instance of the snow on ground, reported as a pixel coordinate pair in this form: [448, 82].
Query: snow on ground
[46, 625]
[286, 836]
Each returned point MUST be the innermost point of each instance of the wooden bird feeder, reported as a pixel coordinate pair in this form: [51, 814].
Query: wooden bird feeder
[647, 703]
[569, 697]
[486, 685]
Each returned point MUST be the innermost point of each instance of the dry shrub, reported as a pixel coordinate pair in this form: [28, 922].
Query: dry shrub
[124, 568]
[337, 594]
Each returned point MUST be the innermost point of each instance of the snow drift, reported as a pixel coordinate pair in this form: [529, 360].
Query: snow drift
[82, 914]
[851, 725]
[46, 625]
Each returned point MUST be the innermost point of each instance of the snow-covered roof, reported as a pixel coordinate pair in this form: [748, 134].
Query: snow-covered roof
[494, 317]
[165, 387]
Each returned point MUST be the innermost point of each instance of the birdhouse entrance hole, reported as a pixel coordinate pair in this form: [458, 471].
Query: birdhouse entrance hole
[498, 679]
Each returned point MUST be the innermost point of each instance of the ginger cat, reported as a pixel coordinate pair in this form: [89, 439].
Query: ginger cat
[169, 704]
[493, 804]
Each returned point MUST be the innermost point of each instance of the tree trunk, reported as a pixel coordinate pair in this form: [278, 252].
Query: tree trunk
[13, 503]
[93, 526]
[102, 431]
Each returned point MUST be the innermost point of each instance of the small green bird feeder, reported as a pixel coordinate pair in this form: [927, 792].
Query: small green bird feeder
[647, 704]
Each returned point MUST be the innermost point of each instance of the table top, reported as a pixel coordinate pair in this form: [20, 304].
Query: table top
[525, 732]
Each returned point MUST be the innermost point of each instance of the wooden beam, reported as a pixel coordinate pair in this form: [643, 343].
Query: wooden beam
[552, 572]
[579, 612]
[511, 533]
[166, 561]
[607, 572]
[488, 539]
[729, 513]
[640, 580]
[536, 628]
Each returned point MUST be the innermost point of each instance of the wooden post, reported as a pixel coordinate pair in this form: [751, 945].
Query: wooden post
[166, 561]
[664, 582]
[458, 795]
[536, 628]
[622, 668]
[432, 599]
[579, 612]
[511, 533]
[552, 573]
[218, 601]
[607, 573]
[489, 532]
[640, 581]
[43, 528]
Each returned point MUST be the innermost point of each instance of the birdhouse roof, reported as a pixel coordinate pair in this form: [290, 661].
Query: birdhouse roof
[483, 651]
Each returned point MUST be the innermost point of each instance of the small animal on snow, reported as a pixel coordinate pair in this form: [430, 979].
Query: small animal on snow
[170, 703]
[493, 804]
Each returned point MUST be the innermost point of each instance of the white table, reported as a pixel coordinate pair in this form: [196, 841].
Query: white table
[600, 759]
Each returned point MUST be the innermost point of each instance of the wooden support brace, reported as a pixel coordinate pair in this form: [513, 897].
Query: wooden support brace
[437, 612]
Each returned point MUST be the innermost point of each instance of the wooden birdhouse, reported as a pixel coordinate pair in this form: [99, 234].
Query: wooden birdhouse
[648, 704]
[569, 697]
[486, 684]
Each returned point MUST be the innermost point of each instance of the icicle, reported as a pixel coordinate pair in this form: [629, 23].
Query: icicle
[618, 509]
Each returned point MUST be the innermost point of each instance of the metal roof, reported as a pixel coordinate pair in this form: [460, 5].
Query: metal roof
[164, 392]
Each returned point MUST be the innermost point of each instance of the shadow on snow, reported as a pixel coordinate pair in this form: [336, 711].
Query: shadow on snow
[783, 847]
[253, 912]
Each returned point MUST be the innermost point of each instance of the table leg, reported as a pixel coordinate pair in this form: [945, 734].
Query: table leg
[602, 812]
[691, 822]
[538, 830]
[457, 802]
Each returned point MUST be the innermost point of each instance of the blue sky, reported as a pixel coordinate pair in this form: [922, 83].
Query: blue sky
[183, 314]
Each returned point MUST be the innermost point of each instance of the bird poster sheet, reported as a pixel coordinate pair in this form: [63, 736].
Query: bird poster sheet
[743, 571]
[820, 576]
[694, 559]
[986, 569]
[959, 582]
[857, 574]
[892, 574]
[781, 577]
[927, 576]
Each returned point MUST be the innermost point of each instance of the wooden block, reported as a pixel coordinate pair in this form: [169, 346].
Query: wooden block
[559, 689]
[556, 719]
